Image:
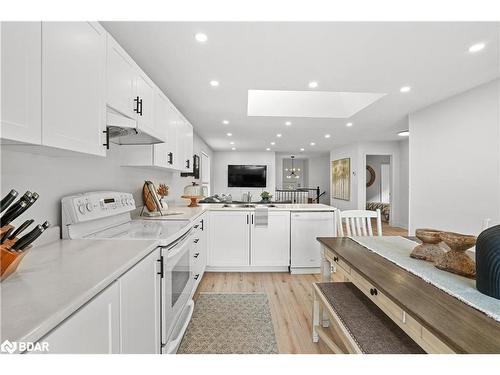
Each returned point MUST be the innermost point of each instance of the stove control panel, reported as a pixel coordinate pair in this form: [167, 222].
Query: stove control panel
[95, 205]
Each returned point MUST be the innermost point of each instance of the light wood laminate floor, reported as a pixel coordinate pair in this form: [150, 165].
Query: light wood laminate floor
[290, 300]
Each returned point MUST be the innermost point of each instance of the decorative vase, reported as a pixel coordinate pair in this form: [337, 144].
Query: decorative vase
[455, 260]
[429, 249]
[488, 262]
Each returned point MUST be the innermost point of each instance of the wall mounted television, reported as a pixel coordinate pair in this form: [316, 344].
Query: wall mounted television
[246, 176]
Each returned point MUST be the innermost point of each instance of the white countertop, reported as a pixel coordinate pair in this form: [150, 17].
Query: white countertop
[55, 280]
[191, 213]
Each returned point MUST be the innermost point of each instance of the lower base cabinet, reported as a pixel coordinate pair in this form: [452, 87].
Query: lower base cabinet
[124, 318]
[139, 307]
[93, 329]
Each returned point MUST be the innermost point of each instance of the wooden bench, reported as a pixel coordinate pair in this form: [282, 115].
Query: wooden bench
[358, 324]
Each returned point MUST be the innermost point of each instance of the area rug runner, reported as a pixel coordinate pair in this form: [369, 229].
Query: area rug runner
[397, 250]
[230, 323]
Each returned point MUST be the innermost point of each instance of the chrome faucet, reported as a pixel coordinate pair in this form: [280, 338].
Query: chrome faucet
[249, 197]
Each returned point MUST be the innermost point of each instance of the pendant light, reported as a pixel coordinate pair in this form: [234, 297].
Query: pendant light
[292, 170]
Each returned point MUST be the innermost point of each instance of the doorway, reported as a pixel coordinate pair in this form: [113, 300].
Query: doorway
[378, 184]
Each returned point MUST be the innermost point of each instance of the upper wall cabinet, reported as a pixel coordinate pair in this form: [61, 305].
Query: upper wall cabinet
[74, 86]
[21, 55]
[121, 77]
[166, 117]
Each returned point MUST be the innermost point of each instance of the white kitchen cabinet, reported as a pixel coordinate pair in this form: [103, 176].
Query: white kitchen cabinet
[229, 239]
[185, 141]
[121, 80]
[21, 80]
[93, 329]
[200, 253]
[166, 119]
[270, 245]
[74, 86]
[140, 307]
[145, 90]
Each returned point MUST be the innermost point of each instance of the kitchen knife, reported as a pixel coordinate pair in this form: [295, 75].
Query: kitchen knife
[8, 199]
[25, 198]
[12, 215]
[5, 235]
[21, 228]
[28, 239]
[32, 200]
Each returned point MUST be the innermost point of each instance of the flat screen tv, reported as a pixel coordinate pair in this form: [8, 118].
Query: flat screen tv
[246, 176]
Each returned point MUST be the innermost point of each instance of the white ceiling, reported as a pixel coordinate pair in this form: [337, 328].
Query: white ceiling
[432, 58]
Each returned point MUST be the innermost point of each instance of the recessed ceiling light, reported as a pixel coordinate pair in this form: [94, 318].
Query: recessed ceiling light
[405, 89]
[229, 134]
[349, 124]
[231, 143]
[312, 144]
[404, 133]
[278, 135]
[234, 149]
[327, 135]
[268, 149]
[313, 84]
[476, 47]
[214, 83]
[273, 143]
[301, 149]
[200, 37]
[225, 122]
[288, 123]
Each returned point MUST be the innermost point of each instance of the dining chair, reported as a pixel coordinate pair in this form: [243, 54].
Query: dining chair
[358, 222]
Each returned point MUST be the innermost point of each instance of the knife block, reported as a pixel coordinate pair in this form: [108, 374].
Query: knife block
[9, 260]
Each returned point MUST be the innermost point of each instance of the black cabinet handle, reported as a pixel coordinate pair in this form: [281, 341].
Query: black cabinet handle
[202, 224]
[196, 276]
[373, 291]
[107, 138]
[136, 101]
[247, 218]
[140, 107]
[196, 240]
[187, 164]
[196, 226]
[252, 219]
[170, 159]
[196, 255]
[335, 259]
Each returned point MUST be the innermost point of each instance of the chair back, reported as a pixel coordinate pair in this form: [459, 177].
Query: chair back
[358, 222]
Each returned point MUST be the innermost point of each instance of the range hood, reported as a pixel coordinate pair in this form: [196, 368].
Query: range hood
[124, 130]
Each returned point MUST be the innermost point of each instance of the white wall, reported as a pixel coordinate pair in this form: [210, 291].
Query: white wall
[54, 177]
[455, 161]
[221, 159]
[318, 175]
[358, 152]
[404, 185]
[374, 161]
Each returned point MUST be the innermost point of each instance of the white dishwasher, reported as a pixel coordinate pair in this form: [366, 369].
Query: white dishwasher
[305, 249]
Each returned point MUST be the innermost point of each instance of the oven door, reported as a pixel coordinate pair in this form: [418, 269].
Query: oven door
[177, 282]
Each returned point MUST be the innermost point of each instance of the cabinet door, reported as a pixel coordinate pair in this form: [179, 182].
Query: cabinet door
[271, 243]
[145, 90]
[93, 329]
[21, 63]
[120, 80]
[74, 86]
[140, 307]
[184, 145]
[229, 234]
[166, 122]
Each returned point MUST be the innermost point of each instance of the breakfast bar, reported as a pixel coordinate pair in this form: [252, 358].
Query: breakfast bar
[435, 320]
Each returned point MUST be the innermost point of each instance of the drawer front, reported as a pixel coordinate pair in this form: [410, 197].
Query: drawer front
[337, 262]
[431, 344]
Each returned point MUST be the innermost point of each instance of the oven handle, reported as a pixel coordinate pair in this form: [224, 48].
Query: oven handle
[174, 248]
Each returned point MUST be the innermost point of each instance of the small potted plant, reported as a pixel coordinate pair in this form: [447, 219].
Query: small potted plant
[266, 197]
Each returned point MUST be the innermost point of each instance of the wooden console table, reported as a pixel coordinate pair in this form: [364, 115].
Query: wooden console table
[438, 322]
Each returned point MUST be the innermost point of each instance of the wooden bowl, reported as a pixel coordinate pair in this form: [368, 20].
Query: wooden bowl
[429, 250]
[458, 242]
[455, 260]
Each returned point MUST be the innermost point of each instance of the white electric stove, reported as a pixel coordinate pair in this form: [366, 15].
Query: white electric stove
[107, 215]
